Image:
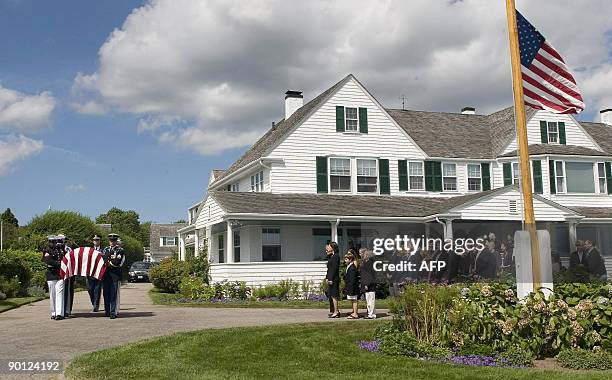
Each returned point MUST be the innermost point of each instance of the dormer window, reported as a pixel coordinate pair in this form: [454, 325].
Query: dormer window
[553, 133]
[257, 182]
[352, 120]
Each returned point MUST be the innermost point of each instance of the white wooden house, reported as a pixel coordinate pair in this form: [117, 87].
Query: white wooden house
[342, 167]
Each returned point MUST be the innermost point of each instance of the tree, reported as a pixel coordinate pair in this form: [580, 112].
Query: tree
[78, 228]
[145, 234]
[181, 221]
[122, 222]
[8, 218]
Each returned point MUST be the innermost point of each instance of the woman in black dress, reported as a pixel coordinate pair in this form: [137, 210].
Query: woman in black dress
[333, 278]
[351, 280]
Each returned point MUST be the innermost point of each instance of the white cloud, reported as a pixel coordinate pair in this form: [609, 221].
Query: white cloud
[21, 113]
[14, 148]
[75, 188]
[198, 70]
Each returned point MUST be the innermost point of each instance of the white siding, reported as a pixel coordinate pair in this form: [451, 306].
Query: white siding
[210, 214]
[497, 208]
[574, 133]
[317, 136]
[255, 274]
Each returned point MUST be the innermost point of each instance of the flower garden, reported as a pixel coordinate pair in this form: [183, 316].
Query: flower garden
[486, 325]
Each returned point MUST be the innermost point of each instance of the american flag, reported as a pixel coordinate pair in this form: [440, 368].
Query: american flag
[547, 82]
[83, 261]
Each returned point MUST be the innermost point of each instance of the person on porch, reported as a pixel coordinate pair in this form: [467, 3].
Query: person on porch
[351, 281]
[578, 258]
[333, 278]
[594, 261]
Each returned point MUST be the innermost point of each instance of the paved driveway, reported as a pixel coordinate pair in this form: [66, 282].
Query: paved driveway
[28, 332]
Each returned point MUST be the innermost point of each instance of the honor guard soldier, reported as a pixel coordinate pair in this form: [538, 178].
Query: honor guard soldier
[64, 249]
[53, 259]
[114, 256]
[94, 286]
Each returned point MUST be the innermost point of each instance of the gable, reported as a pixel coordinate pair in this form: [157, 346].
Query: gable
[574, 132]
[210, 213]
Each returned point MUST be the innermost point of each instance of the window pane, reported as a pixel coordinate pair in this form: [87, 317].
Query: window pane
[340, 183]
[450, 183]
[473, 184]
[416, 183]
[449, 170]
[270, 236]
[415, 168]
[351, 125]
[366, 184]
[351, 113]
[579, 177]
[271, 253]
[366, 168]
[340, 166]
[560, 185]
[474, 171]
[602, 186]
[559, 168]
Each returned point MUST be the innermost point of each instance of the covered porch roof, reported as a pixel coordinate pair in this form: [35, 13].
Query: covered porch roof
[498, 204]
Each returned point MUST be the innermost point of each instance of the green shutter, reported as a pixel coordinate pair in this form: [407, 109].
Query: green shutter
[551, 176]
[339, 119]
[561, 133]
[609, 176]
[433, 175]
[363, 120]
[536, 166]
[507, 174]
[321, 174]
[383, 176]
[543, 132]
[402, 171]
[486, 176]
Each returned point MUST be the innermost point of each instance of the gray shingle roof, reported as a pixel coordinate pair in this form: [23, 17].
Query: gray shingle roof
[280, 129]
[601, 133]
[570, 150]
[594, 212]
[217, 173]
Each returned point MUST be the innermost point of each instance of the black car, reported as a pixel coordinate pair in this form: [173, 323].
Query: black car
[139, 271]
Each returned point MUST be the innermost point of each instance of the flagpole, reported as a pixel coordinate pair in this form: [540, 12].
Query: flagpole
[522, 143]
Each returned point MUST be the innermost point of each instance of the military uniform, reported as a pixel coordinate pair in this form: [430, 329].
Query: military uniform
[114, 257]
[94, 286]
[70, 281]
[53, 259]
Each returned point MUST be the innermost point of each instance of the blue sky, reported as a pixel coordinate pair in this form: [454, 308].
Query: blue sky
[142, 105]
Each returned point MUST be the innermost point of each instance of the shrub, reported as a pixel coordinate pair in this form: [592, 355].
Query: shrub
[15, 267]
[78, 228]
[38, 279]
[585, 359]
[194, 288]
[10, 286]
[36, 291]
[168, 274]
[233, 290]
[516, 357]
[472, 348]
[2, 296]
[199, 266]
[421, 309]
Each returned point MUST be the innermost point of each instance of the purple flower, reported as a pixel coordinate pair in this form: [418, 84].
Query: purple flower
[370, 345]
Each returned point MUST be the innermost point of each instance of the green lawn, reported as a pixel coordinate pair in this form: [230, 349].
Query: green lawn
[171, 300]
[307, 351]
[11, 303]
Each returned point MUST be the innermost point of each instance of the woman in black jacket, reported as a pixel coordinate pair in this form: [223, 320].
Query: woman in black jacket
[333, 278]
[351, 280]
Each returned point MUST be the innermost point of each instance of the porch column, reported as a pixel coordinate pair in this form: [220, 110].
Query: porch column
[181, 247]
[573, 236]
[229, 243]
[427, 230]
[196, 249]
[448, 229]
[334, 231]
[207, 242]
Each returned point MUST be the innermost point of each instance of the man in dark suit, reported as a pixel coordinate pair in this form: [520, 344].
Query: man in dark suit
[594, 261]
[485, 263]
[578, 258]
[333, 277]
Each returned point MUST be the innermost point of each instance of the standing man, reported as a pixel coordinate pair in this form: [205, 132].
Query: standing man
[113, 257]
[595, 262]
[94, 286]
[64, 250]
[53, 259]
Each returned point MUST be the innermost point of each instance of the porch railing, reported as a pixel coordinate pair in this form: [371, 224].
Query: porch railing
[263, 273]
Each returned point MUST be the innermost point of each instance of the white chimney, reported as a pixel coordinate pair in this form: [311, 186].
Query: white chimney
[293, 101]
[468, 110]
[605, 116]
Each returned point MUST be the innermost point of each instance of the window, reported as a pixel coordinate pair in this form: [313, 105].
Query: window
[601, 175]
[270, 244]
[367, 177]
[416, 178]
[553, 132]
[474, 177]
[221, 248]
[516, 173]
[579, 177]
[560, 176]
[449, 177]
[169, 241]
[236, 186]
[351, 120]
[340, 174]
[236, 246]
[257, 182]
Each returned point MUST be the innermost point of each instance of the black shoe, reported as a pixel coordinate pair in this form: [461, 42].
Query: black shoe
[59, 318]
[113, 316]
[95, 310]
[53, 317]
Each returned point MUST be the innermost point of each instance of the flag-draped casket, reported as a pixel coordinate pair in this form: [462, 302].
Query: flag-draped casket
[83, 261]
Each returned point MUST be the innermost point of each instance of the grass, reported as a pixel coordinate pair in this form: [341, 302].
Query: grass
[169, 299]
[306, 351]
[12, 303]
